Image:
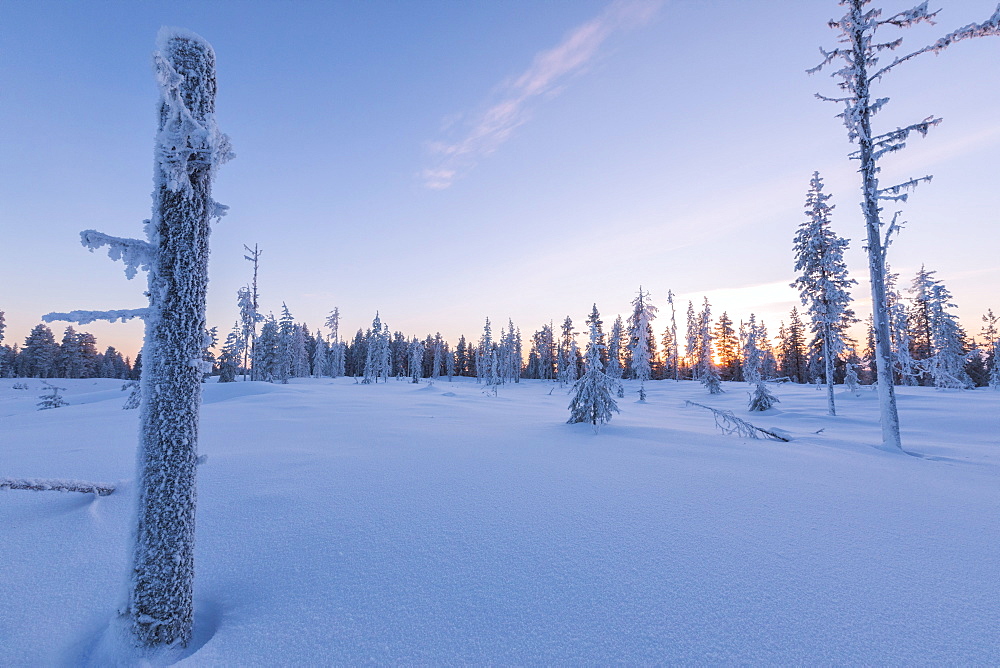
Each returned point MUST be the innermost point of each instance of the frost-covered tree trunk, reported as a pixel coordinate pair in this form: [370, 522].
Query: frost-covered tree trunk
[188, 149]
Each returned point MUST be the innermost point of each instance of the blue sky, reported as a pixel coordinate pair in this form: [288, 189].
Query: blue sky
[447, 161]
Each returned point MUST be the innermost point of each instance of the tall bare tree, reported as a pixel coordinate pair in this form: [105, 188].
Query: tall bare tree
[862, 69]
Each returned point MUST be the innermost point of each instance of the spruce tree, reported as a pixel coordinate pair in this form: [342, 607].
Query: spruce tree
[754, 342]
[231, 355]
[642, 345]
[592, 394]
[567, 373]
[823, 284]
[707, 372]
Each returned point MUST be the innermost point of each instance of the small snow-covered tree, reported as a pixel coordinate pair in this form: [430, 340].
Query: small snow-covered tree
[641, 342]
[823, 283]
[861, 54]
[50, 398]
[592, 394]
[706, 371]
[189, 148]
[231, 355]
[851, 378]
[754, 342]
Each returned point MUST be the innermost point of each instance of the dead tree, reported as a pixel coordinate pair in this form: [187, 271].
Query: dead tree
[861, 69]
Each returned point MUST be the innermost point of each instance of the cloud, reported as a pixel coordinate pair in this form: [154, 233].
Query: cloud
[489, 129]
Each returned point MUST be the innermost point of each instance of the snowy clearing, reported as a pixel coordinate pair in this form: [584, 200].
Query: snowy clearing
[431, 524]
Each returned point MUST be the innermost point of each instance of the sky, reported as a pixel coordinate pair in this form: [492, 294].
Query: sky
[444, 162]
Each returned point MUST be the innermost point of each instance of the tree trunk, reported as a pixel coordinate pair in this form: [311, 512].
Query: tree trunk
[161, 603]
[889, 417]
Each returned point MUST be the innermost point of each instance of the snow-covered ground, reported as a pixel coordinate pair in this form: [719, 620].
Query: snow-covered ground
[431, 524]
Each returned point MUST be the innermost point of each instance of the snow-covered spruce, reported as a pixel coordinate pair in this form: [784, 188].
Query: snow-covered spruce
[50, 397]
[938, 337]
[860, 53]
[642, 345]
[823, 283]
[593, 393]
[707, 372]
[754, 339]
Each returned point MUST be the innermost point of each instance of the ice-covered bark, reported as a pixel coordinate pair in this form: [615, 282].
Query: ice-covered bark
[861, 54]
[189, 148]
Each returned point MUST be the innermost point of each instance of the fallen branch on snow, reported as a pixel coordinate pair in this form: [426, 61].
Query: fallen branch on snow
[730, 424]
[39, 485]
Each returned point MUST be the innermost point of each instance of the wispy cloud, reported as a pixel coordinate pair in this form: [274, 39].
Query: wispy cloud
[485, 131]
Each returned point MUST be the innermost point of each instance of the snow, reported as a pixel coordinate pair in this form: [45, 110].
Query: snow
[348, 524]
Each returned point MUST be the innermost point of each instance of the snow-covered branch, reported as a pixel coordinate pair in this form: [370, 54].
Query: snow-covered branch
[730, 424]
[895, 140]
[41, 485]
[828, 57]
[910, 17]
[87, 317]
[136, 254]
[894, 228]
[991, 26]
[897, 193]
